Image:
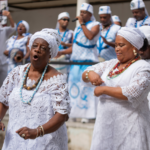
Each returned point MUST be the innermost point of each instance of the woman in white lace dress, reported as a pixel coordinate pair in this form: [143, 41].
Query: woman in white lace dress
[122, 84]
[38, 99]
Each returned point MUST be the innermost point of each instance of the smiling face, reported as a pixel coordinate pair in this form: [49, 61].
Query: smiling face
[21, 29]
[124, 50]
[40, 53]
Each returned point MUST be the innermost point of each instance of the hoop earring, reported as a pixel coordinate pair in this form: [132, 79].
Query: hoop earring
[135, 53]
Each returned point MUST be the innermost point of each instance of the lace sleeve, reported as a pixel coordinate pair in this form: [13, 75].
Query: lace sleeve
[138, 85]
[8, 86]
[60, 98]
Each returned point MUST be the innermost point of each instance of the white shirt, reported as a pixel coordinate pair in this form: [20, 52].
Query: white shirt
[5, 32]
[132, 21]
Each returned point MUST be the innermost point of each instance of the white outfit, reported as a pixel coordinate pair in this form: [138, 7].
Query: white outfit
[105, 51]
[132, 21]
[83, 101]
[52, 96]
[5, 32]
[123, 124]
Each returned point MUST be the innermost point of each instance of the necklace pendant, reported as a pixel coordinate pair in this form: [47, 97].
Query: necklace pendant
[29, 103]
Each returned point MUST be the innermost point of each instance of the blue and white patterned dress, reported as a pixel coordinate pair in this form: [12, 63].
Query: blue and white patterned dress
[105, 51]
[13, 43]
[83, 101]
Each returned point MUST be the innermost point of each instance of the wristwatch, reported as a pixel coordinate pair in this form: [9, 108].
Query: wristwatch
[82, 24]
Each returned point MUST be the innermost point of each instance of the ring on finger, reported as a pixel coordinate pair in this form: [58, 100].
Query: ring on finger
[23, 135]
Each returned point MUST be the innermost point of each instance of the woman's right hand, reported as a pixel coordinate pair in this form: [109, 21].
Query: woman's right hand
[2, 126]
[95, 79]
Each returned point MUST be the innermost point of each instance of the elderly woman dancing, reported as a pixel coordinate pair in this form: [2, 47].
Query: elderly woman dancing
[38, 99]
[122, 84]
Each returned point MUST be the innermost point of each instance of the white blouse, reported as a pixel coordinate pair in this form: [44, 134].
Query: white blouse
[52, 96]
[123, 124]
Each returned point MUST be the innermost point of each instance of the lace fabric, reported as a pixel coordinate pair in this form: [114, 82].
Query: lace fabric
[51, 97]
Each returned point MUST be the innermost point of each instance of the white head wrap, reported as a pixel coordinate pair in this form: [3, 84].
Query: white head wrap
[132, 35]
[137, 4]
[25, 24]
[116, 18]
[146, 31]
[104, 10]
[89, 8]
[51, 36]
[63, 14]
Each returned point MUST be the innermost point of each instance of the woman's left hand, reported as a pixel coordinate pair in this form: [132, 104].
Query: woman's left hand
[27, 133]
[99, 90]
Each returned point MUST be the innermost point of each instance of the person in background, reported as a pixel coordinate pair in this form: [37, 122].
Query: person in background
[106, 41]
[140, 14]
[116, 20]
[146, 54]
[83, 102]
[5, 33]
[17, 46]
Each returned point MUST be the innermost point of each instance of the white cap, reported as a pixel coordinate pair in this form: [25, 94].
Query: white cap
[116, 18]
[146, 31]
[137, 4]
[63, 14]
[104, 10]
[87, 7]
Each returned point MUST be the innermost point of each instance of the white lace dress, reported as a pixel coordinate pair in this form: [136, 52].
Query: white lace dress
[121, 124]
[51, 97]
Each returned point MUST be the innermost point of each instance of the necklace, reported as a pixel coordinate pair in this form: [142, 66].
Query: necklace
[115, 72]
[39, 83]
[141, 23]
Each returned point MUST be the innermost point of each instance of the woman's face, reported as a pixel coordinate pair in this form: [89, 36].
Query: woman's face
[40, 53]
[21, 29]
[124, 49]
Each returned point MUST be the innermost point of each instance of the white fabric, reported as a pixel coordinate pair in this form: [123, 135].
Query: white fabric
[132, 35]
[131, 22]
[63, 14]
[51, 36]
[137, 4]
[146, 31]
[81, 53]
[104, 10]
[89, 8]
[116, 18]
[51, 97]
[123, 124]
[107, 51]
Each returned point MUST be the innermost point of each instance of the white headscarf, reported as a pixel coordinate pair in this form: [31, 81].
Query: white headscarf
[89, 8]
[104, 10]
[63, 14]
[132, 35]
[137, 4]
[146, 31]
[116, 18]
[51, 36]
[25, 24]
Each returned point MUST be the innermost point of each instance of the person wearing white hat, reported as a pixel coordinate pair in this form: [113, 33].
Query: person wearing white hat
[140, 14]
[116, 20]
[5, 32]
[122, 86]
[83, 50]
[106, 41]
[18, 45]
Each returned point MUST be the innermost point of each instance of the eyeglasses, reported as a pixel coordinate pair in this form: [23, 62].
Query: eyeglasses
[64, 19]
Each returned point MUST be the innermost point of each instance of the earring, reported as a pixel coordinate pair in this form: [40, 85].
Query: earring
[135, 53]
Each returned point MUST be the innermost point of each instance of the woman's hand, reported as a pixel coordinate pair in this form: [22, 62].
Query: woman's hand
[2, 126]
[95, 79]
[29, 133]
[99, 90]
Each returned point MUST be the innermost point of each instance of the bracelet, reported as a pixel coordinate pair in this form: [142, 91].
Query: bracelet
[40, 132]
[87, 74]
[42, 129]
[37, 133]
[82, 24]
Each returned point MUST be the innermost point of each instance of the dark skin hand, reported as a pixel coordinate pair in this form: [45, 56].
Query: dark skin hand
[125, 54]
[39, 57]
